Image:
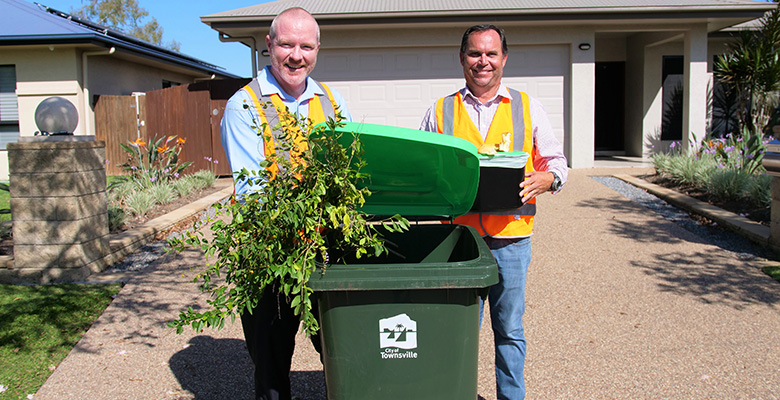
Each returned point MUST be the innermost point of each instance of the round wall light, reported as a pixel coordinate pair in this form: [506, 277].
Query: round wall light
[584, 46]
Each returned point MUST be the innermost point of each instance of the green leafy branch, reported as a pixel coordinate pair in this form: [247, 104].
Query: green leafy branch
[280, 234]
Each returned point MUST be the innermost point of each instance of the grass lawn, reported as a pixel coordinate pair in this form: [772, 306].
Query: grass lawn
[774, 272]
[5, 202]
[39, 325]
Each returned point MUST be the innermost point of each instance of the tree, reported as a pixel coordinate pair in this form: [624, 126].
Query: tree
[750, 72]
[125, 16]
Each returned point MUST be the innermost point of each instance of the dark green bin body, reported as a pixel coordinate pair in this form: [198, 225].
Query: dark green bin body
[425, 292]
[434, 279]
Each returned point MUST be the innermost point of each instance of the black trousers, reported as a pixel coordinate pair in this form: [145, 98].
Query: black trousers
[270, 332]
[270, 338]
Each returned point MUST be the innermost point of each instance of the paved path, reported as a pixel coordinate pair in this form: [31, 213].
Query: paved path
[621, 305]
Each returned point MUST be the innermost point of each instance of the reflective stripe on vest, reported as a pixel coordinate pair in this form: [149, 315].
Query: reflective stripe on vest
[268, 109]
[450, 120]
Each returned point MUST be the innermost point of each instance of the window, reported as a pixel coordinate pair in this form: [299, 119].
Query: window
[9, 108]
[671, 127]
[167, 84]
[724, 103]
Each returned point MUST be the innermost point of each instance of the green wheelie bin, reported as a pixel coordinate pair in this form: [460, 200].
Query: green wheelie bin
[406, 325]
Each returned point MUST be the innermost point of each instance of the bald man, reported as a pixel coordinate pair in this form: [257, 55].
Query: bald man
[293, 43]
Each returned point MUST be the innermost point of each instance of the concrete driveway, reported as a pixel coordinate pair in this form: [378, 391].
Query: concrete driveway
[621, 305]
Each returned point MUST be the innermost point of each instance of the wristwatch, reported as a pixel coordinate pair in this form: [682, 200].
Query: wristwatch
[556, 185]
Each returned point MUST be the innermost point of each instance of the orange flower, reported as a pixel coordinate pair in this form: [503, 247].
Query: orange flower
[162, 149]
[138, 142]
[182, 140]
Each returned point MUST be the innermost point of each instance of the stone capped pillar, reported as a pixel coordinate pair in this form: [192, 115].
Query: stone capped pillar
[774, 233]
[771, 163]
[59, 208]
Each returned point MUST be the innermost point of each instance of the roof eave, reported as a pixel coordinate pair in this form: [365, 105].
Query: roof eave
[550, 14]
[108, 41]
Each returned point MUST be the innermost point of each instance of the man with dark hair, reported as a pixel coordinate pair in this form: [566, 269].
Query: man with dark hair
[284, 86]
[486, 113]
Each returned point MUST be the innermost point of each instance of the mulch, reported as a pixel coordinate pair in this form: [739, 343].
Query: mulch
[162, 209]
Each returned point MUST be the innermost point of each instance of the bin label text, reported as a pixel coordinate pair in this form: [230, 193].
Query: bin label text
[395, 333]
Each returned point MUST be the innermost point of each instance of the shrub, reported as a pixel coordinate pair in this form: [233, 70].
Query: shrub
[162, 193]
[721, 168]
[727, 183]
[156, 163]
[685, 168]
[116, 218]
[759, 190]
[139, 202]
[206, 176]
[742, 152]
[183, 186]
[119, 189]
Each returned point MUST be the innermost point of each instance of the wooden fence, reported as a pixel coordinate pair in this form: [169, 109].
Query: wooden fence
[117, 121]
[192, 112]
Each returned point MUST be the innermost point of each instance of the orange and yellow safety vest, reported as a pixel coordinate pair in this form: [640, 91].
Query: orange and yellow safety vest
[281, 120]
[513, 116]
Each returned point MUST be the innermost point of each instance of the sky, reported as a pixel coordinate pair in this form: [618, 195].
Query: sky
[180, 21]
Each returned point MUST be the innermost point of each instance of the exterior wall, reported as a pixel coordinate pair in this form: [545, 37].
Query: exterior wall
[635, 107]
[41, 72]
[644, 68]
[582, 104]
[578, 79]
[46, 71]
[114, 76]
[716, 46]
[610, 49]
[641, 51]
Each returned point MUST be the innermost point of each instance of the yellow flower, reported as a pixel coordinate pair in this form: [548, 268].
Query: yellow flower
[138, 142]
[182, 140]
[162, 149]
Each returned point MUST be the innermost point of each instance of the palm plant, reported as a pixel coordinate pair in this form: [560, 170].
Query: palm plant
[750, 72]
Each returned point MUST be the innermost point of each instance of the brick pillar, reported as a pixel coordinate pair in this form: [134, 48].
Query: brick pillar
[59, 208]
[774, 233]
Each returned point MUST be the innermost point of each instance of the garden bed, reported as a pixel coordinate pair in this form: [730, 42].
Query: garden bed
[742, 208]
[7, 244]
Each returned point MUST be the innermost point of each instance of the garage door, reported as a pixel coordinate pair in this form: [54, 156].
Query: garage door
[396, 86]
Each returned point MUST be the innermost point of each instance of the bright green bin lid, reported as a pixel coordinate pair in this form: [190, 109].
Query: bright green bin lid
[415, 173]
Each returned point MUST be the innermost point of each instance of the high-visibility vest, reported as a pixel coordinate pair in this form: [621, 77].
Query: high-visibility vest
[511, 116]
[271, 108]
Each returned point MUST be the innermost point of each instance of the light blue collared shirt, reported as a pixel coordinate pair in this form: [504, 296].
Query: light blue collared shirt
[243, 146]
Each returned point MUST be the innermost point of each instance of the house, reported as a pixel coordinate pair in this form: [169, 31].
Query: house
[45, 53]
[607, 71]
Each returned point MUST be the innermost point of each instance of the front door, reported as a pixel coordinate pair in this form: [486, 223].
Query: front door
[610, 107]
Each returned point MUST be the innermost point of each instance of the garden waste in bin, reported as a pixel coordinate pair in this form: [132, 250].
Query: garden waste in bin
[406, 325]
